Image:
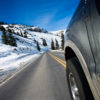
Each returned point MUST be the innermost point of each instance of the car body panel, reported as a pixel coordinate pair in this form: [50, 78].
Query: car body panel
[70, 44]
[93, 24]
[80, 32]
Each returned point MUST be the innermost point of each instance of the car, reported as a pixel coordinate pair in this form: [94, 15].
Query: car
[82, 51]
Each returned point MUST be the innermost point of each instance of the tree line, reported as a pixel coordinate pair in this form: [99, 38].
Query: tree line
[1, 22]
[44, 43]
[54, 46]
[8, 38]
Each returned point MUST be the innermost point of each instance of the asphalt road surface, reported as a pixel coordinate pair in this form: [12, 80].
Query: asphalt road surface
[43, 79]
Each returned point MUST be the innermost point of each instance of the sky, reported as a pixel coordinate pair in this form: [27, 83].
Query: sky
[48, 14]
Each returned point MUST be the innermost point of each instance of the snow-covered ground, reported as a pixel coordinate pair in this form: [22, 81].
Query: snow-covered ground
[14, 58]
[60, 50]
[13, 63]
[59, 32]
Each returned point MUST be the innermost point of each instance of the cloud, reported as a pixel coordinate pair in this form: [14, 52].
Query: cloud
[63, 22]
[52, 19]
[44, 20]
[60, 24]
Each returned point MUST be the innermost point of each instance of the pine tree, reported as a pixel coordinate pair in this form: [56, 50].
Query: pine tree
[11, 40]
[25, 34]
[14, 42]
[35, 41]
[9, 30]
[21, 34]
[44, 42]
[62, 41]
[44, 30]
[52, 45]
[57, 45]
[4, 37]
[38, 47]
[2, 28]
[2, 23]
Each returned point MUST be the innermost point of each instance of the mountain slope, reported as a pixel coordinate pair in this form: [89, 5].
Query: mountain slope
[12, 58]
[58, 33]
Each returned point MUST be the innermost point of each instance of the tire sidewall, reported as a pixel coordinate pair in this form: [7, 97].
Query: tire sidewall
[71, 67]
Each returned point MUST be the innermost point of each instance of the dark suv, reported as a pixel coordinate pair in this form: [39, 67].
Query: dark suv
[82, 51]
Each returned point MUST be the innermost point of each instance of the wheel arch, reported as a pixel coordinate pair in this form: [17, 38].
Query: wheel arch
[69, 53]
[71, 50]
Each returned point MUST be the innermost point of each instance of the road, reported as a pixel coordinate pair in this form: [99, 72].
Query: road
[43, 79]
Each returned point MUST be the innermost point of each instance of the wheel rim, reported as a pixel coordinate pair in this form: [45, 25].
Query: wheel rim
[74, 88]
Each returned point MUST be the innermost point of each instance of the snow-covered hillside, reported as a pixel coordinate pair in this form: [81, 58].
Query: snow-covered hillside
[12, 58]
[58, 33]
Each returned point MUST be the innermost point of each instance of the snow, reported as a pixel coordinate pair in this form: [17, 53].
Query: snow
[60, 50]
[13, 64]
[13, 59]
[58, 32]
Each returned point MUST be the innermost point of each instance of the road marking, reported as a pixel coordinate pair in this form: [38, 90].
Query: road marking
[63, 63]
[57, 58]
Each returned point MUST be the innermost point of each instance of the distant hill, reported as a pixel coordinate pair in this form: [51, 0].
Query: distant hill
[58, 33]
[27, 36]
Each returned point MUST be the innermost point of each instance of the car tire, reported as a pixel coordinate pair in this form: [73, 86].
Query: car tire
[77, 83]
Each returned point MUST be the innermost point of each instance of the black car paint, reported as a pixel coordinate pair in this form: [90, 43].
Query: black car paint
[84, 31]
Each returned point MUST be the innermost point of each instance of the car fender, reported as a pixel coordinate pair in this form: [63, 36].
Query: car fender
[70, 44]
